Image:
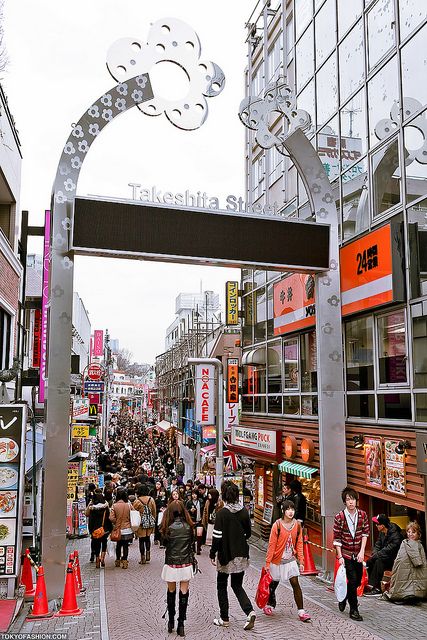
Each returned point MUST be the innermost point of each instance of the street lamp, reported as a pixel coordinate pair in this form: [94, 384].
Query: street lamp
[219, 450]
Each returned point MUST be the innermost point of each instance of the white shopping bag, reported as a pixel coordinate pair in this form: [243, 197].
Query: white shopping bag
[340, 584]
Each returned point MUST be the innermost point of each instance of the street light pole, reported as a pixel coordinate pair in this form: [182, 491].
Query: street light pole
[220, 416]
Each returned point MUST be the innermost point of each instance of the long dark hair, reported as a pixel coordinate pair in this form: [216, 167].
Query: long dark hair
[174, 509]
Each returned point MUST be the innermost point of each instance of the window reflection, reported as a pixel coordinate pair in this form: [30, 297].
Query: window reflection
[420, 352]
[260, 310]
[355, 201]
[348, 12]
[395, 406]
[359, 354]
[392, 348]
[328, 149]
[414, 65]
[382, 94]
[386, 177]
[361, 406]
[270, 310]
[353, 130]
[412, 13]
[327, 90]
[291, 405]
[416, 158]
[290, 350]
[381, 33]
[308, 362]
[325, 24]
[305, 58]
[306, 101]
[274, 368]
[303, 13]
[309, 406]
[352, 61]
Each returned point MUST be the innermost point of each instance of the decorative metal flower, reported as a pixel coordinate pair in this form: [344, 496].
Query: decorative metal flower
[169, 40]
[255, 113]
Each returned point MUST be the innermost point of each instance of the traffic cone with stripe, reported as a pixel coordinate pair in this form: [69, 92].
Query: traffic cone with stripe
[40, 608]
[309, 566]
[71, 561]
[82, 589]
[27, 576]
[69, 601]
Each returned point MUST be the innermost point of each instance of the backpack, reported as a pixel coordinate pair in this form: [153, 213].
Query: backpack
[147, 519]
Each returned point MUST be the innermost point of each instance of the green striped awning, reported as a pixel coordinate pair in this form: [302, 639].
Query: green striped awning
[300, 470]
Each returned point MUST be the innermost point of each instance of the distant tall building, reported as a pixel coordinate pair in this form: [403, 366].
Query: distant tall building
[114, 345]
[201, 308]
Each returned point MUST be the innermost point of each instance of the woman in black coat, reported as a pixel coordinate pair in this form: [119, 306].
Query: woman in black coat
[98, 513]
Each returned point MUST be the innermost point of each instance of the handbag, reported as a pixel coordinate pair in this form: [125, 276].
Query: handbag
[100, 532]
[263, 590]
[340, 584]
[135, 519]
[116, 535]
[209, 534]
[195, 564]
[147, 519]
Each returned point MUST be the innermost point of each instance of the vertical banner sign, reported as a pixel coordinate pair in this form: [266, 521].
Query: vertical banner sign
[98, 343]
[37, 334]
[231, 302]
[373, 463]
[232, 380]
[12, 470]
[45, 305]
[231, 415]
[205, 394]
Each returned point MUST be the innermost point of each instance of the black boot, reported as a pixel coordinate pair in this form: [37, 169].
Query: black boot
[183, 602]
[272, 597]
[170, 597]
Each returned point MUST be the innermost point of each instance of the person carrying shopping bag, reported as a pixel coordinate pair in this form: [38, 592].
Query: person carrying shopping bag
[284, 553]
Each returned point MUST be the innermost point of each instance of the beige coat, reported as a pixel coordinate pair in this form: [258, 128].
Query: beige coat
[120, 515]
[138, 505]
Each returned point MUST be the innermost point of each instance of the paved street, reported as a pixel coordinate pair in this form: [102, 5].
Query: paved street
[135, 602]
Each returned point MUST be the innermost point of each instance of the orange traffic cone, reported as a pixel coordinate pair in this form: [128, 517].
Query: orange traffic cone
[309, 566]
[40, 607]
[363, 583]
[73, 565]
[27, 576]
[69, 601]
[78, 572]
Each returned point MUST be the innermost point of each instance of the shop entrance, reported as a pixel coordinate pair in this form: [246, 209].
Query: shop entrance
[120, 229]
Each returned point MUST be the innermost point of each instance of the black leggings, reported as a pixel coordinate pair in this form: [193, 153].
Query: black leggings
[144, 544]
[99, 544]
[122, 550]
[295, 588]
[239, 592]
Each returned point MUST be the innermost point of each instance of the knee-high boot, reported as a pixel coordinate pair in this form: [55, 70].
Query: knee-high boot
[199, 545]
[272, 598]
[171, 597]
[182, 614]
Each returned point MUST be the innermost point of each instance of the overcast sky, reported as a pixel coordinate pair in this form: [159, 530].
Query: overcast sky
[57, 68]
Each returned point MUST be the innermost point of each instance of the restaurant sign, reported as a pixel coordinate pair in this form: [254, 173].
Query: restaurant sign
[256, 440]
[293, 303]
[205, 394]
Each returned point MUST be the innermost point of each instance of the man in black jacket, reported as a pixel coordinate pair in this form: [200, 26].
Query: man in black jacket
[384, 552]
[230, 553]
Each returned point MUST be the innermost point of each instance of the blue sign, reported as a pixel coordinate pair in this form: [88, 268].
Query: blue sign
[94, 387]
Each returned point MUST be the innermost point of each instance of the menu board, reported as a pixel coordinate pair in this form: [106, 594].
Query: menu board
[267, 516]
[12, 457]
[373, 463]
[394, 468]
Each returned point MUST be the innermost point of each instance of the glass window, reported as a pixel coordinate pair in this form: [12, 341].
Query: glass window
[381, 30]
[412, 13]
[417, 219]
[392, 355]
[247, 280]
[274, 368]
[386, 177]
[274, 404]
[394, 406]
[421, 407]
[353, 130]
[248, 320]
[261, 315]
[289, 44]
[291, 184]
[270, 312]
[274, 60]
[253, 381]
[290, 349]
[419, 345]
[359, 354]
[414, 65]
[325, 31]
[305, 58]
[309, 406]
[352, 61]
[382, 94]
[306, 101]
[355, 200]
[303, 13]
[257, 81]
[259, 277]
[416, 159]
[5, 338]
[348, 12]
[302, 192]
[328, 148]
[308, 362]
[291, 405]
[327, 90]
[361, 406]
[260, 404]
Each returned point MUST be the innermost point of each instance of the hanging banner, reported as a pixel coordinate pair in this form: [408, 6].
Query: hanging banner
[231, 415]
[395, 481]
[232, 394]
[373, 463]
[45, 305]
[231, 302]
[98, 343]
[37, 334]
[205, 394]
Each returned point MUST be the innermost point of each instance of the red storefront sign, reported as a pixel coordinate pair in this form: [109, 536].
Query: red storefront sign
[37, 336]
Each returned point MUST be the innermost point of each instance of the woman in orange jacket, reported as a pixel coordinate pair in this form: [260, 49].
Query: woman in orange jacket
[285, 548]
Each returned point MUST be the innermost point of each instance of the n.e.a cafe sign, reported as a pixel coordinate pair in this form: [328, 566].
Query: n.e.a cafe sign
[205, 394]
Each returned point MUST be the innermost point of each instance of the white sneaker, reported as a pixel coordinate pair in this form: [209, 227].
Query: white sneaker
[219, 622]
[250, 621]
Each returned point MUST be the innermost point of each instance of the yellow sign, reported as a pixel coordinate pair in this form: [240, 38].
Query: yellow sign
[232, 302]
[80, 431]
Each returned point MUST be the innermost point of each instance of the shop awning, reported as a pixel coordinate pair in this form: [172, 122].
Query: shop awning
[300, 470]
[163, 425]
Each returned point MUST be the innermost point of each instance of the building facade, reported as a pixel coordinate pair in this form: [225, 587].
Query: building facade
[356, 69]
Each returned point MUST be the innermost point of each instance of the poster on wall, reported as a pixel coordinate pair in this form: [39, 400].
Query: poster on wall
[394, 468]
[373, 463]
[260, 492]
